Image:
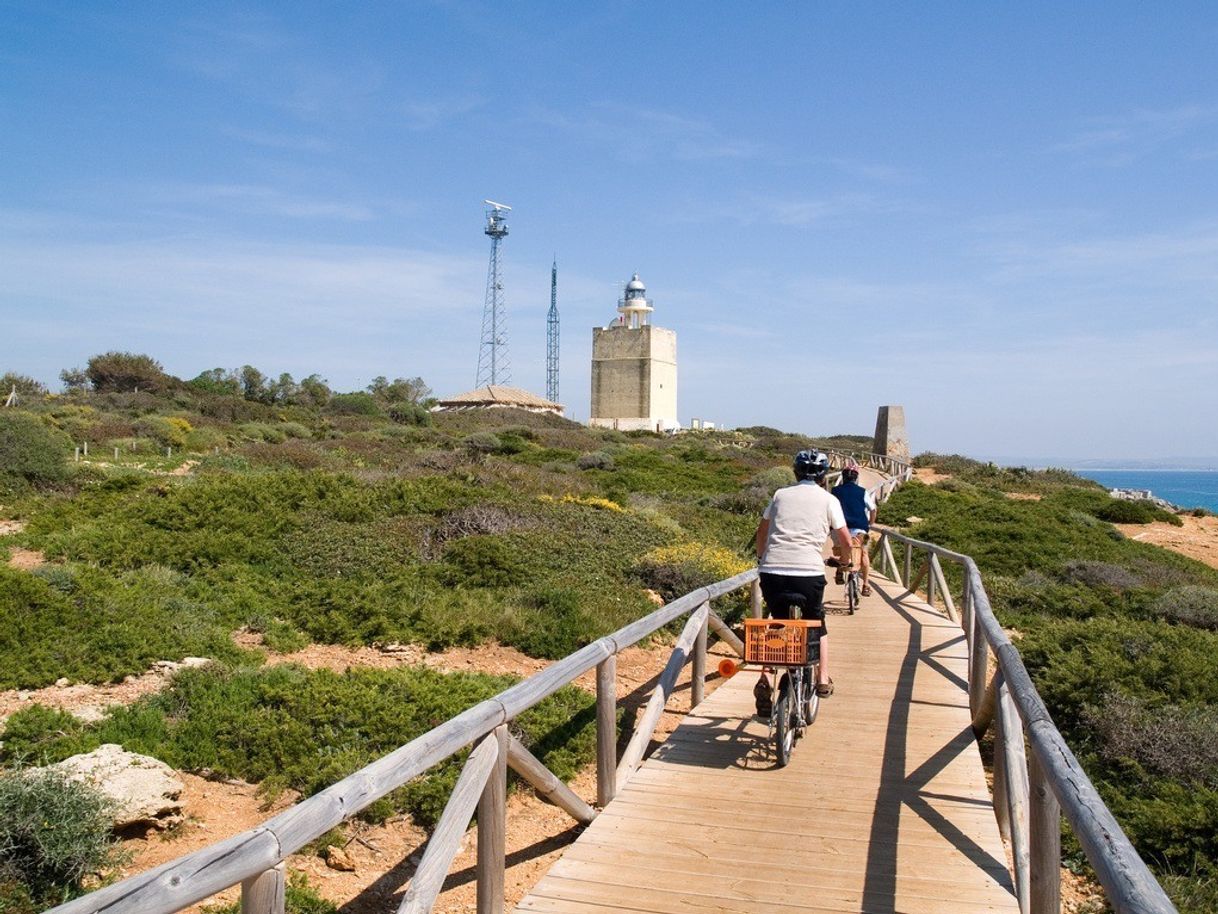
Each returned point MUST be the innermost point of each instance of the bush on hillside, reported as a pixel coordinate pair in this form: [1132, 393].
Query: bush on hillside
[123, 372]
[354, 404]
[24, 385]
[31, 454]
[597, 460]
[406, 413]
[1192, 605]
[1174, 741]
[1099, 574]
[673, 571]
[1123, 511]
[479, 444]
[53, 833]
[166, 431]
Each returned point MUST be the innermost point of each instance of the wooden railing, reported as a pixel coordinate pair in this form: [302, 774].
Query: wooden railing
[1031, 789]
[254, 859]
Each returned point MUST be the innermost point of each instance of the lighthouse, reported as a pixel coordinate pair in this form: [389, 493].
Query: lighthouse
[634, 368]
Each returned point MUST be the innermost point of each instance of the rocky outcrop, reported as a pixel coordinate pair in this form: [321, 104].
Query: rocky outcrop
[144, 790]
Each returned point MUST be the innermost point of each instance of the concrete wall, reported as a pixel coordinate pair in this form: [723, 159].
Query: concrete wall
[634, 377]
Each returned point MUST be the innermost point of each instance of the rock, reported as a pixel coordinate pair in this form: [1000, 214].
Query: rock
[913, 519]
[169, 667]
[23, 696]
[89, 714]
[337, 858]
[654, 597]
[62, 682]
[144, 790]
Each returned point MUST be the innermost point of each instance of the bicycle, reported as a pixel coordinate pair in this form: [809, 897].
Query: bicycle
[853, 574]
[791, 645]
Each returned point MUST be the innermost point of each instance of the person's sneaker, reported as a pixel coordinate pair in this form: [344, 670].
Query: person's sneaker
[839, 577]
[761, 695]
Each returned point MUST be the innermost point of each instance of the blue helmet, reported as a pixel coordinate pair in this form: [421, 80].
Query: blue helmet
[810, 464]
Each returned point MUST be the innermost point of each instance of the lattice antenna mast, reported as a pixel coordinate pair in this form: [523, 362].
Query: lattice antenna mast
[552, 338]
[493, 367]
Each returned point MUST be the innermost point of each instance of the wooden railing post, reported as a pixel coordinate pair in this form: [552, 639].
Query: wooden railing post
[980, 687]
[1045, 835]
[1015, 769]
[936, 573]
[930, 579]
[892, 561]
[966, 608]
[264, 893]
[606, 730]
[492, 831]
[755, 601]
[697, 680]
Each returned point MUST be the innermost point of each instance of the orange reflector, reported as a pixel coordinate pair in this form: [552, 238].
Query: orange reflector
[728, 667]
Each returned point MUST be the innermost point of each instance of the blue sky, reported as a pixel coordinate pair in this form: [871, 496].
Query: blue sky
[1002, 216]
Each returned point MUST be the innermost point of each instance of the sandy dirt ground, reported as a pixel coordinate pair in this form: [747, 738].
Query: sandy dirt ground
[928, 475]
[1198, 538]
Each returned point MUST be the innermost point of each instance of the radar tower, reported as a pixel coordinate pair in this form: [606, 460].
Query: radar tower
[552, 338]
[493, 367]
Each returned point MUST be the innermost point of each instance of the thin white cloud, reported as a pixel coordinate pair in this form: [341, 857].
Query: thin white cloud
[1122, 139]
[259, 200]
[434, 112]
[638, 134]
[801, 212]
[287, 141]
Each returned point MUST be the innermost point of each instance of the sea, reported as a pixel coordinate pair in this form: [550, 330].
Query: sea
[1183, 488]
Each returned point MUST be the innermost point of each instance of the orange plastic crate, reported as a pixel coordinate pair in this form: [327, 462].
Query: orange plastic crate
[778, 641]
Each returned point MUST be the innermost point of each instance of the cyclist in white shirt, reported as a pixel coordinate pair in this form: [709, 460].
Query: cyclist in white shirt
[790, 541]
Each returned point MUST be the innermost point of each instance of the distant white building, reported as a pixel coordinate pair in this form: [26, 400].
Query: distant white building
[634, 368]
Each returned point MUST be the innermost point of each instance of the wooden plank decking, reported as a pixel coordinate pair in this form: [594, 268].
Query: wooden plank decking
[884, 808]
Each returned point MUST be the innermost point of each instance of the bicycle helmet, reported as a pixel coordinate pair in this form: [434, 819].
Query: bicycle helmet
[850, 472]
[810, 464]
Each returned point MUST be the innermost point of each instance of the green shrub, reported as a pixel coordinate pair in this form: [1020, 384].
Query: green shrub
[1192, 605]
[126, 371]
[25, 386]
[166, 431]
[31, 454]
[480, 443]
[92, 627]
[203, 440]
[1173, 741]
[354, 404]
[597, 460]
[406, 413]
[263, 431]
[53, 833]
[1122, 511]
[485, 561]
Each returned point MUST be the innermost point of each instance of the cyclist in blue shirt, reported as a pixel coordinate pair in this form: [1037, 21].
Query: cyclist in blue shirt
[858, 505]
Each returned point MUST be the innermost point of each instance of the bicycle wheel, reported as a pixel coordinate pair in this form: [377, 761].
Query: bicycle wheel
[811, 699]
[852, 592]
[784, 723]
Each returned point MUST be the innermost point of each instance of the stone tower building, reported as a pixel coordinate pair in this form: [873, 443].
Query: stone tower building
[634, 368]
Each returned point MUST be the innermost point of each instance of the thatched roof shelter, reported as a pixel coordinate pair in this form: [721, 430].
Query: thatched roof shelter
[499, 395]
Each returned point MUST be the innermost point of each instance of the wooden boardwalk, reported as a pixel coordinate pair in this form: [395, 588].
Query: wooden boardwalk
[884, 808]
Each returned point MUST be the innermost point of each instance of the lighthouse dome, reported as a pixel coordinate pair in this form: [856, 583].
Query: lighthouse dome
[636, 285]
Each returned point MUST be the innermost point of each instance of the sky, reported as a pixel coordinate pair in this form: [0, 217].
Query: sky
[1003, 217]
